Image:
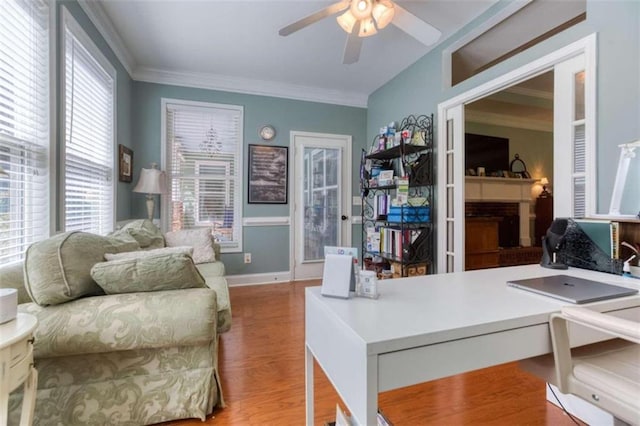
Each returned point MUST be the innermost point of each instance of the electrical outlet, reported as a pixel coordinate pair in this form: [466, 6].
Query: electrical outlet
[247, 258]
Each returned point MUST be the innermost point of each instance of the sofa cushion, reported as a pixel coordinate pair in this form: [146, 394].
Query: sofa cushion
[213, 274]
[58, 269]
[198, 238]
[149, 253]
[161, 271]
[121, 322]
[145, 233]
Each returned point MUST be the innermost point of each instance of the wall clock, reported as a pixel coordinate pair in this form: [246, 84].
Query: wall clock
[267, 132]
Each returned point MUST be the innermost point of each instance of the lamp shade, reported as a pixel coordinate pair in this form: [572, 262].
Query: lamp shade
[152, 181]
[544, 181]
[346, 21]
[383, 13]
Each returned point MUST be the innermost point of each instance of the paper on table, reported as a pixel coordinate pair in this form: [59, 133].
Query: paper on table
[336, 278]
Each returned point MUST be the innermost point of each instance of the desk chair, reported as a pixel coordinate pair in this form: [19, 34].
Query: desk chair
[607, 376]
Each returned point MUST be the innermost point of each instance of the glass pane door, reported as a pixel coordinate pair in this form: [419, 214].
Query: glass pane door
[321, 196]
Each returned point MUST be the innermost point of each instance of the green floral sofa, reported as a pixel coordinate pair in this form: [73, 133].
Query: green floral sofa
[134, 357]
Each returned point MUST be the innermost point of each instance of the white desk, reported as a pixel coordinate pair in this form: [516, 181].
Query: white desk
[429, 327]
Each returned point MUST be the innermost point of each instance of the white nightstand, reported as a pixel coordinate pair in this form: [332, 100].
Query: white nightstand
[16, 365]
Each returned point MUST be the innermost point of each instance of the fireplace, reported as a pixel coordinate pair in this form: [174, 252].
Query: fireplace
[507, 198]
[509, 225]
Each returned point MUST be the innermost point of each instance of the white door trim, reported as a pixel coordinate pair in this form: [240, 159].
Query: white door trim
[586, 46]
[346, 188]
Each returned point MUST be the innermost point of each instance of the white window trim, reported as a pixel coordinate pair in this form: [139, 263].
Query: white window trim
[53, 122]
[494, 20]
[165, 213]
[69, 21]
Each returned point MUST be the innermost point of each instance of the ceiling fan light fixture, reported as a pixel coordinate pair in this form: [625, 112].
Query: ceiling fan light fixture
[361, 9]
[346, 21]
[367, 28]
[383, 13]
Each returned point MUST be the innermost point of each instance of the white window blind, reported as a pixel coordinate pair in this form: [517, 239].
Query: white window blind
[89, 94]
[204, 163]
[24, 125]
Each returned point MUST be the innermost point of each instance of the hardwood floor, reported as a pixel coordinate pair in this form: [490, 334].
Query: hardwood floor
[262, 370]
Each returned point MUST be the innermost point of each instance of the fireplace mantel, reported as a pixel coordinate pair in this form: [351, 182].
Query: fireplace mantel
[504, 190]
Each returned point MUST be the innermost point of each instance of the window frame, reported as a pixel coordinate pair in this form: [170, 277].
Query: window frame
[68, 21]
[165, 210]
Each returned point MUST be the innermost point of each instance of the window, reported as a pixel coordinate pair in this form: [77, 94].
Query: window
[24, 125]
[89, 114]
[531, 24]
[203, 159]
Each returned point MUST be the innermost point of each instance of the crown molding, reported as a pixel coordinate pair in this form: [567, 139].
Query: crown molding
[508, 121]
[251, 87]
[103, 24]
[99, 18]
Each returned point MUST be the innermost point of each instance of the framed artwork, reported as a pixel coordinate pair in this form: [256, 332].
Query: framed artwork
[125, 164]
[268, 174]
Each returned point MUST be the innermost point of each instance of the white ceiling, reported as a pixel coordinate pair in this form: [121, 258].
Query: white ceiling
[234, 45]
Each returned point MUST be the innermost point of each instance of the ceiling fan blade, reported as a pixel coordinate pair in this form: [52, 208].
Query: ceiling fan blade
[353, 46]
[414, 26]
[314, 17]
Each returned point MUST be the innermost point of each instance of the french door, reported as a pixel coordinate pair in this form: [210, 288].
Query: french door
[574, 144]
[322, 194]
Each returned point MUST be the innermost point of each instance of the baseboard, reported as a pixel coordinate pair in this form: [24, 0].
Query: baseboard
[256, 279]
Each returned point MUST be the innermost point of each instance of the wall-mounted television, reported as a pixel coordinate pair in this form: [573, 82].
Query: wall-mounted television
[489, 152]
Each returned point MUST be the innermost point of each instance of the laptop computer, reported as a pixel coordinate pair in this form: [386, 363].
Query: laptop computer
[572, 289]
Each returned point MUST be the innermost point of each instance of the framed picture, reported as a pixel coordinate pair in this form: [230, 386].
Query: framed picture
[268, 174]
[125, 164]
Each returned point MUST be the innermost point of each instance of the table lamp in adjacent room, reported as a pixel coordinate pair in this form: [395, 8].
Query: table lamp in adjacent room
[544, 182]
[151, 182]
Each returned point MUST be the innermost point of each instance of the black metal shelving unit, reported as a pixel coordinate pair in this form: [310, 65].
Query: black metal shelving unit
[413, 247]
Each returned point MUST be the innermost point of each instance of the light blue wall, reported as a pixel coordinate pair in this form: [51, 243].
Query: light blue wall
[419, 89]
[123, 98]
[269, 246]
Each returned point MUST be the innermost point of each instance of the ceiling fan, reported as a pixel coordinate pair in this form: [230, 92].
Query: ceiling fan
[364, 18]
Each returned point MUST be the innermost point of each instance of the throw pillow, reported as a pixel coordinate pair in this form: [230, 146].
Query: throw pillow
[149, 253]
[198, 238]
[170, 271]
[145, 233]
[123, 241]
[58, 269]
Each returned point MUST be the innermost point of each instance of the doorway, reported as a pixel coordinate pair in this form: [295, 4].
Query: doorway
[322, 193]
[574, 140]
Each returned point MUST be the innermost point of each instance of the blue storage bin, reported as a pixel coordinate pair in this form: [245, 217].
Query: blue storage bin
[409, 214]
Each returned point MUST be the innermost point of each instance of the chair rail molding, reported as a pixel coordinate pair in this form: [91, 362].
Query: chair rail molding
[266, 221]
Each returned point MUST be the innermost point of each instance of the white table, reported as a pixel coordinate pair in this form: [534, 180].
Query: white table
[429, 327]
[16, 365]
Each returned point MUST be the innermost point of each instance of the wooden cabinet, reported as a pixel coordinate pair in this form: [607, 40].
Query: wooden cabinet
[544, 217]
[481, 242]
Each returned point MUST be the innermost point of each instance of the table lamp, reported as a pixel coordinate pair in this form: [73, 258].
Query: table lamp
[151, 182]
[544, 182]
